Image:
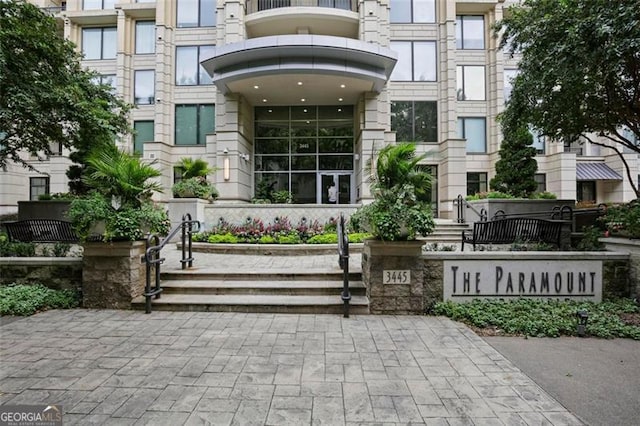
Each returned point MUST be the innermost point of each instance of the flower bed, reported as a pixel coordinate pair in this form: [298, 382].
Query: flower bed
[281, 231]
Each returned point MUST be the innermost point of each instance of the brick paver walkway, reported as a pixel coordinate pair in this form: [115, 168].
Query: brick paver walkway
[171, 368]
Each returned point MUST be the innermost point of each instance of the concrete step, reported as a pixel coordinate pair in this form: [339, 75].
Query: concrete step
[255, 303]
[307, 288]
[255, 276]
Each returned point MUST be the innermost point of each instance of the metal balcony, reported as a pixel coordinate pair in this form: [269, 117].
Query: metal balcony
[254, 6]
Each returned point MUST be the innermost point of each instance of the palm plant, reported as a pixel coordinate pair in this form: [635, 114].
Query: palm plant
[194, 168]
[117, 174]
[401, 207]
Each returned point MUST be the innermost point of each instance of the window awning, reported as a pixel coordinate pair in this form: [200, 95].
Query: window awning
[595, 171]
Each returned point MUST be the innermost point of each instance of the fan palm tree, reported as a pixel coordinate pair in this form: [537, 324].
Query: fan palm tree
[115, 173]
[194, 168]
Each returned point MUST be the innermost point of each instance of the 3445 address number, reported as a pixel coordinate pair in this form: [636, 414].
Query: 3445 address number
[396, 277]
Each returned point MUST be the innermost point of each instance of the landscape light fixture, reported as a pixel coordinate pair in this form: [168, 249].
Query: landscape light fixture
[582, 318]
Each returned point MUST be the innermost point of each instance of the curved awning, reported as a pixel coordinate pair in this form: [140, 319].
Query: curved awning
[300, 54]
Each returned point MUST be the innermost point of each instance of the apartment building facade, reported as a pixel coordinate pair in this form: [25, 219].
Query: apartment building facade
[297, 94]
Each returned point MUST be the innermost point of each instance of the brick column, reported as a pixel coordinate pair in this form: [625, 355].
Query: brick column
[113, 274]
[400, 296]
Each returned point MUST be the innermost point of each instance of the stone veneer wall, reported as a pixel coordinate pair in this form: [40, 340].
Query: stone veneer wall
[113, 274]
[58, 273]
[238, 213]
[632, 247]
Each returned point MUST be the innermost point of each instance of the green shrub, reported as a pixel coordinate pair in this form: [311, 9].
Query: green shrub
[624, 220]
[267, 239]
[289, 239]
[358, 237]
[195, 187]
[16, 248]
[491, 195]
[544, 318]
[544, 196]
[223, 239]
[323, 239]
[590, 240]
[282, 197]
[29, 299]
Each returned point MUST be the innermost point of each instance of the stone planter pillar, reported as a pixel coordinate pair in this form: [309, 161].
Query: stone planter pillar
[113, 274]
[392, 272]
[625, 245]
[181, 206]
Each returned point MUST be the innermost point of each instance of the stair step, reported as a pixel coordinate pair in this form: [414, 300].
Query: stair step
[259, 287]
[255, 303]
[255, 276]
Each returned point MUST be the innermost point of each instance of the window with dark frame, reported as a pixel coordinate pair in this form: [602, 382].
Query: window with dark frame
[177, 174]
[470, 82]
[541, 180]
[38, 186]
[196, 13]
[470, 32]
[415, 121]
[417, 61]
[189, 72]
[476, 182]
[474, 130]
[193, 122]
[412, 11]
[99, 43]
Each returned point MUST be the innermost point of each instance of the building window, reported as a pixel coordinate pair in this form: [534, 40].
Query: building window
[106, 79]
[98, 4]
[415, 121]
[143, 132]
[196, 13]
[509, 76]
[476, 182]
[194, 123]
[144, 92]
[416, 61]
[38, 186]
[538, 141]
[416, 11]
[99, 43]
[587, 191]
[470, 83]
[145, 37]
[177, 174]
[189, 72]
[541, 180]
[474, 130]
[469, 32]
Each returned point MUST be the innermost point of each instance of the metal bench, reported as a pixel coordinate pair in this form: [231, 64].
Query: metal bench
[40, 231]
[510, 230]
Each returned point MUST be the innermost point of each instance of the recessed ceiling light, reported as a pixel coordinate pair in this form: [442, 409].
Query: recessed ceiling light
[299, 83]
[256, 87]
[342, 86]
[339, 109]
[303, 100]
[264, 100]
[340, 99]
[270, 110]
[308, 122]
[304, 110]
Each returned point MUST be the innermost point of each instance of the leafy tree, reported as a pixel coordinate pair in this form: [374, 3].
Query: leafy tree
[516, 167]
[46, 97]
[579, 73]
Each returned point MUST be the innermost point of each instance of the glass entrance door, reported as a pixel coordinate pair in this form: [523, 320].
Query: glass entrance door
[343, 188]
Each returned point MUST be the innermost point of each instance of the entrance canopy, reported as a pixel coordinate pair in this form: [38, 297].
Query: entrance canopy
[595, 171]
[300, 68]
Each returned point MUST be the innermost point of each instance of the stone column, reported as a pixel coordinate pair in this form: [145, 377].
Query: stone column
[392, 272]
[113, 274]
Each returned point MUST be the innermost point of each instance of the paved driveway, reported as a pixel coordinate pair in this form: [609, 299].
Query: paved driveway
[125, 367]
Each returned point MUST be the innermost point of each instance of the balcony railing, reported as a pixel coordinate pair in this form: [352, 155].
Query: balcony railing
[53, 10]
[260, 5]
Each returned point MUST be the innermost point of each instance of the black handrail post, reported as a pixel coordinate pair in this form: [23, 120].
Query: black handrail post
[147, 285]
[183, 238]
[343, 260]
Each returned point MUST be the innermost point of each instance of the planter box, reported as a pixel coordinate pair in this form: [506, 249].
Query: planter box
[178, 207]
[536, 208]
[632, 247]
[113, 274]
[50, 209]
[392, 272]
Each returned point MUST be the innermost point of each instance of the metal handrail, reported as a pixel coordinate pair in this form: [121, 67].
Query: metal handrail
[152, 255]
[254, 6]
[462, 205]
[343, 261]
[556, 213]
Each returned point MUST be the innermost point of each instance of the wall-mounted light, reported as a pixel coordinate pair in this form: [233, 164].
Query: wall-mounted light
[226, 169]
